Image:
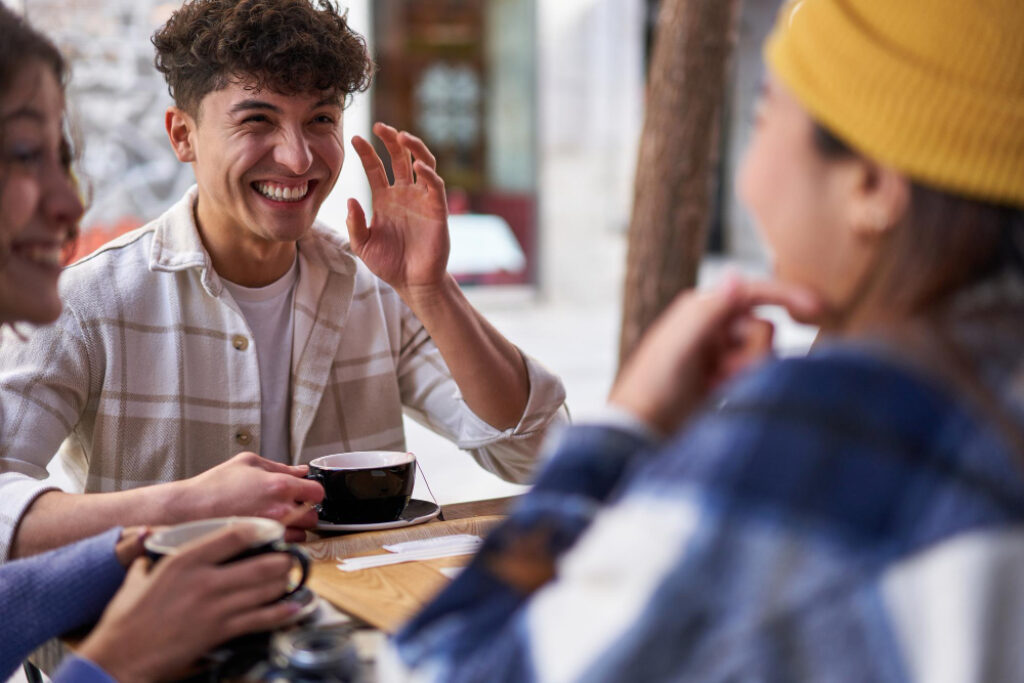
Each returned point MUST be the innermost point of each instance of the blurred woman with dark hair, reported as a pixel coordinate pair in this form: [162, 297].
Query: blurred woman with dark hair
[855, 515]
[165, 617]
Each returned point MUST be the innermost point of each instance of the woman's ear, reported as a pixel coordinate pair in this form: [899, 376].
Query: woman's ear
[880, 196]
[180, 128]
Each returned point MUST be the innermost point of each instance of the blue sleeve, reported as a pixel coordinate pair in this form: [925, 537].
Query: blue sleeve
[588, 466]
[49, 594]
[803, 455]
[80, 670]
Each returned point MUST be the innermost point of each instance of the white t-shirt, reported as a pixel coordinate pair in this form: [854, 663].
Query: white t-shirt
[269, 311]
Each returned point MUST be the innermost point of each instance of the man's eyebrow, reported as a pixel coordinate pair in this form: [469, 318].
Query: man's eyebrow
[250, 104]
[254, 104]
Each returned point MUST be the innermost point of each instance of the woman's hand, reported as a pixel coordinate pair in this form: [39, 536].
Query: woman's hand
[701, 340]
[164, 617]
[129, 546]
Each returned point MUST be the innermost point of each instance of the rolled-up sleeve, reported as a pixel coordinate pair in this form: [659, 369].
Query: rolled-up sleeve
[432, 398]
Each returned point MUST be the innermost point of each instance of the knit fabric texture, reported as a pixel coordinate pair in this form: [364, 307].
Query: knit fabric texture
[932, 88]
[46, 595]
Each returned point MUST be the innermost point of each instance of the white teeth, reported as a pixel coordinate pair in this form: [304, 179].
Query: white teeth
[49, 256]
[280, 193]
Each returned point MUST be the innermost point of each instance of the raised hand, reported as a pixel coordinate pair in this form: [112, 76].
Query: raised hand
[406, 244]
[701, 340]
[249, 485]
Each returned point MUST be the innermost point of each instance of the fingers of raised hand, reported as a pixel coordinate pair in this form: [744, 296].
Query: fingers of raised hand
[358, 233]
[429, 176]
[401, 163]
[418, 149]
[372, 164]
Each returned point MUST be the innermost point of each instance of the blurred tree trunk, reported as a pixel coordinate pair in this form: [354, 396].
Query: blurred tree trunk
[678, 161]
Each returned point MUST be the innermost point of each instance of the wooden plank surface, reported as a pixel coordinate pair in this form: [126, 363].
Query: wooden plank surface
[478, 508]
[385, 597]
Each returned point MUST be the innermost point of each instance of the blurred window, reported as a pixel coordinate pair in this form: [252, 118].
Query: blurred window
[461, 75]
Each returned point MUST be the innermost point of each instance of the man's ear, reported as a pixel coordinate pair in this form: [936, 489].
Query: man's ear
[180, 130]
[880, 197]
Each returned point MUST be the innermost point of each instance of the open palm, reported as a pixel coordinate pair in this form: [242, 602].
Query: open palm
[406, 243]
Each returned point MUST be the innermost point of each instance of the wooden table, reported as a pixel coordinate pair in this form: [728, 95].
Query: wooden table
[386, 597]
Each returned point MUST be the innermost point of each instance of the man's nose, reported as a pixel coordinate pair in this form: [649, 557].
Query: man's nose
[293, 152]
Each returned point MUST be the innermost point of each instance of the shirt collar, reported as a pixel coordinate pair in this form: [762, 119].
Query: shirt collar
[177, 245]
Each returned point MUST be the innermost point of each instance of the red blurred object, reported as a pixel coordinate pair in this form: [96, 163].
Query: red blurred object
[520, 210]
[95, 236]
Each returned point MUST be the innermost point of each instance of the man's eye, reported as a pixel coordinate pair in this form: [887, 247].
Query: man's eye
[324, 118]
[255, 118]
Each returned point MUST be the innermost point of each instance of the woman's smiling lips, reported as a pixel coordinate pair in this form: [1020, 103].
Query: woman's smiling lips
[284, 193]
[47, 254]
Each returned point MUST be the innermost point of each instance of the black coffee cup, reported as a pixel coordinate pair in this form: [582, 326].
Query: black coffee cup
[268, 538]
[364, 487]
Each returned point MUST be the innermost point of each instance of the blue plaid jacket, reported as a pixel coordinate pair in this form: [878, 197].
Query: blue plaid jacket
[836, 518]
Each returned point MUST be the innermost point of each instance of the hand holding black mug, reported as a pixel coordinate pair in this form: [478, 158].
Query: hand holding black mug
[267, 536]
[194, 598]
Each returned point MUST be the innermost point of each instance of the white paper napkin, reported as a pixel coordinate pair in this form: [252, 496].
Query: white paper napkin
[411, 551]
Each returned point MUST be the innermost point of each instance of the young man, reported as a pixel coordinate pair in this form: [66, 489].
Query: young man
[234, 324]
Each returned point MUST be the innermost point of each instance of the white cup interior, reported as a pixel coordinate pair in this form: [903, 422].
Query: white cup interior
[167, 541]
[362, 460]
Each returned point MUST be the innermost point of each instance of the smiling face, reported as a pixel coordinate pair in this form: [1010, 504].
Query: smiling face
[264, 163]
[39, 206]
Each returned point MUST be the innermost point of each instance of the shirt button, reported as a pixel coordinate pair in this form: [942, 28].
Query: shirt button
[243, 438]
[240, 342]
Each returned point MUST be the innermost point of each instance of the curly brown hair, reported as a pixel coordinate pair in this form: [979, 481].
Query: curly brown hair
[285, 46]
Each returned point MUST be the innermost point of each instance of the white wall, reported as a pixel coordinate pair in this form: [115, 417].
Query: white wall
[591, 85]
[352, 182]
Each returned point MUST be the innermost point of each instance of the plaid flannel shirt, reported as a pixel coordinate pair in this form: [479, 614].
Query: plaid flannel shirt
[838, 518]
[151, 375]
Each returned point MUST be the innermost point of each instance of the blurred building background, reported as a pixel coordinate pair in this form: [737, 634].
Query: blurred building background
[534, 109]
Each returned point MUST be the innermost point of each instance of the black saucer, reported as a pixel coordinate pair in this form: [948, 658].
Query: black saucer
[416, 512]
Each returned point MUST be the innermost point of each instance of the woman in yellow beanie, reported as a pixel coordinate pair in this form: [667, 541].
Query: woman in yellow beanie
[855, 515]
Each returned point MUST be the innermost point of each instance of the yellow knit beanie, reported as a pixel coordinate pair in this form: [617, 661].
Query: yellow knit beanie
[933, 88]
